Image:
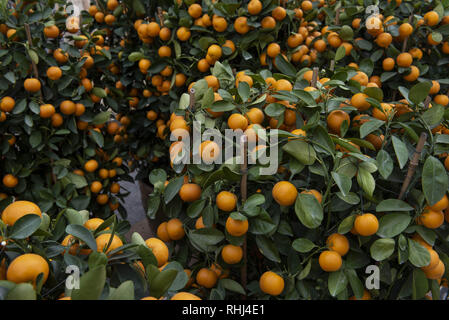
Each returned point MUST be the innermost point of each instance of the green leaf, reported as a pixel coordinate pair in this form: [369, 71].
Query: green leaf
[344, 182]
[157, 175]
[375, 93]
[25, 226]
[337, 282]
[22, 291]
[420, 284]
[268, 248]
[384, 163]
[366, 180]
[401, 151]
[222, 106]
[346, 224]
[232, 285]
[243, 91]
[284, 66]
[370, 126]
[206, 237]
[195, 208]
[172, 188]
[340, 54]
[434, 115]
[99, 92]
[135, 56]
[162, 281]
[355, 282]
[393, 205]
[434, 180]
[419, 256]
[77, 180]
[124, 292]
[309, 210]
[419, 92]
[303, 245]
[301, 151]
[91, 284]
[381, 249]
[101, 118]
[392, 224]
[83, 234]
[97, 137]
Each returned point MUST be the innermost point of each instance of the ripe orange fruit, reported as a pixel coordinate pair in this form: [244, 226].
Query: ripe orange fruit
[91, 165]
[254, 7]
[206, 278]
[185, 296]
[103, 240]
[268, 23]
[67, 107]
[231, 254]
[361, 78]
[388, 64]
[338, 243]
[153, 29]
[51, 32]
[442, 204]
[54, 73]
[96, 186]
[330, 261]
[273, 50]
[241, 25]
[162, 232]
[404, 59]
[46, 111]
[226, 201]
[236, 228]
[335, 119]
[164, 51]
[160, 250]
[271, 283]
[435, 87]
[359, 101]
[195, 10]
[284, 193]
[190, 192]
[237, 121]
[17, 210]
[431, 18]
[405, 29]
[32, 85]
[441, 99]
[183, 34]
[366, 224]
[413, 75]
[60, 56]
[175, 229]
[93, 224]
[387, 109]
[431, 219]
[434, 259]
[436, 272]
[7, 104]
[203, 65]
[384, 39]
[26, 268]
[219, 23]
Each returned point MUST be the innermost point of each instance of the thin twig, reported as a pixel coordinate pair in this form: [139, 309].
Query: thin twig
[413, 164]
[314, 77]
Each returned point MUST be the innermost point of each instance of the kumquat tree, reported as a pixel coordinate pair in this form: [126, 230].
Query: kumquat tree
[290, 150]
